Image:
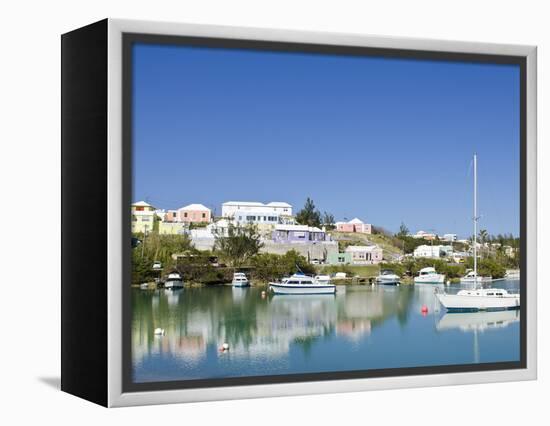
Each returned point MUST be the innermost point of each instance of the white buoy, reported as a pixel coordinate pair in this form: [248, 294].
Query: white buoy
[159, 331]
[448, 282]
[225, 346]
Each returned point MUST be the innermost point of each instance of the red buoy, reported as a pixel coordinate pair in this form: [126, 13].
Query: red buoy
[424, 309]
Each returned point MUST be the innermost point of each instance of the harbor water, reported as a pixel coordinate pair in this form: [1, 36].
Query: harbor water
[359, 328]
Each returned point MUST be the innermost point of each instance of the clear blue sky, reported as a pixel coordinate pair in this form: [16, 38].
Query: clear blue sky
[386, 140]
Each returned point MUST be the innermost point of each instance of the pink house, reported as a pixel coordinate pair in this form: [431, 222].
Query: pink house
[355, 225]
[194, 213]
[171, 216]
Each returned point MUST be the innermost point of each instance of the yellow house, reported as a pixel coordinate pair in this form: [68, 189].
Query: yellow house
[170, 228]
[143, 217]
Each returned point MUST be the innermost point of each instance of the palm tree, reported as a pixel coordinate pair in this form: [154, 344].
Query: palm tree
[483, 237]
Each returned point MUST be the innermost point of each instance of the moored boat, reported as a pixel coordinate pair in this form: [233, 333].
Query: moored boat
[429, 276]
[471, 278]
[481, 299]
[240, 280]
[301, 284]
[387, 277]
[173, 280]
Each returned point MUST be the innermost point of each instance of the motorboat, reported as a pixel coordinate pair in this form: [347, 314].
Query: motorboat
[429, 276]
[387, 277]
[240, 280]
[478, 299]
[173, 280]
[471, 277]
[301, 284]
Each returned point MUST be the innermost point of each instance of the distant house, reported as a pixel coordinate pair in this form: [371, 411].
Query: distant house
[426, 235]
[365, 255]
[354, 225]
[230, 208]
[194, 213]
[433, 251]
[143, 217]
[171, 216]
[339, 258]
[449, 237]
[298, 233]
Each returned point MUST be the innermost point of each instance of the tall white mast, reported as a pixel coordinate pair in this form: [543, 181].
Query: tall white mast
[475, 220]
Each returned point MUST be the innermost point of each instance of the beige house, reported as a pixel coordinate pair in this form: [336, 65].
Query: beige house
[365, 255]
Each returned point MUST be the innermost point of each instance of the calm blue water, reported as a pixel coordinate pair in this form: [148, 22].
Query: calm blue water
[360, 328]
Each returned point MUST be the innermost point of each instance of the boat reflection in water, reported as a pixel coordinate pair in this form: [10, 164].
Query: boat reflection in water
[478, 321]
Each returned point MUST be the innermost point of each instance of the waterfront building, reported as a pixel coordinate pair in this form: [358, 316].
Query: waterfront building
[194, 213]
[229, 208]
[365, 255]
[433, 252]
[339, 258]
[143, 217]
[298, 233]
[354, 225]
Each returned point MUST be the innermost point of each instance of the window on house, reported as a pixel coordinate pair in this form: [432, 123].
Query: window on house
[185, 214]
[203, 215]
[140, 209]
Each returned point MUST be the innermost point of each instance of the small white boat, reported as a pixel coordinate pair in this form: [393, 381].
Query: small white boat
[429, 276]
[322, 279]
[478, 299]
[173, 280]
[240, 280]
[144, 286]
[387, 277]
[471, 278]
[301, 284]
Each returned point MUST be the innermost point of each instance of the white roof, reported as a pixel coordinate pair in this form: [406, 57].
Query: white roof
[356, 221]
[195, 207]
[243, 203]
[303, 228]
[361, 248]
[278, 204]
[141, 204]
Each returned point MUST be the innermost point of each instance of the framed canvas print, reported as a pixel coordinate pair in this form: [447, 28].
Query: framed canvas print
[251, 212]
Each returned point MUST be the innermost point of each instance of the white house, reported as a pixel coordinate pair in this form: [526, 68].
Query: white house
[229, 208]
[365, 255]
[432, 251]
[449, 237]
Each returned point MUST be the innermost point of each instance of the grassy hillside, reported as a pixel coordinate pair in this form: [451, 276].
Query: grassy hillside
[345, 239]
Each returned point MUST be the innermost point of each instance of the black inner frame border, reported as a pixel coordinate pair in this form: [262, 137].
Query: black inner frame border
[128, 41]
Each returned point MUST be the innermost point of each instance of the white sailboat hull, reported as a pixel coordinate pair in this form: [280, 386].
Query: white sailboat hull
[282, 288]
[472, 280]
[457, 302]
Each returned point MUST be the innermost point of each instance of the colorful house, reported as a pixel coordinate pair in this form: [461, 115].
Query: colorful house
[194, 213]
[365, 255]
[433, 251]
[354, 225]
[143, 217]
[298, 233]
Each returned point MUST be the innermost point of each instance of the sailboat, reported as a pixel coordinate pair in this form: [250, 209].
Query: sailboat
[478, 299]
